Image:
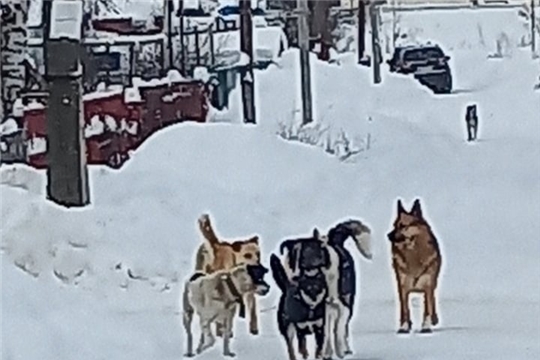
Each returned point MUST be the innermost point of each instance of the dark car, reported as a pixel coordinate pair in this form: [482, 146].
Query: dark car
[427, 63]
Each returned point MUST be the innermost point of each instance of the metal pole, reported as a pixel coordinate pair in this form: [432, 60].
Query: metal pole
[533, 29]
[303, 40]
[168, 8]
[361, 30]
[67, 173]
[181, 31]
[246, 47]
[375, 60]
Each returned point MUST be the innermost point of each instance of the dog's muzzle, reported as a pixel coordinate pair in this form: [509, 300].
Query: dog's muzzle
[262, 289]
[395, 238]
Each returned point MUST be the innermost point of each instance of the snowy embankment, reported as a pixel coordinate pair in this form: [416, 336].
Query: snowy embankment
[103, 282]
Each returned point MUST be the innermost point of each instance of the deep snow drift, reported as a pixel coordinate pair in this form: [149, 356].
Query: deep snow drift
[103, 282]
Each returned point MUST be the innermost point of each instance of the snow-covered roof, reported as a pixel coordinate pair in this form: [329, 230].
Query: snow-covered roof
[8, 127]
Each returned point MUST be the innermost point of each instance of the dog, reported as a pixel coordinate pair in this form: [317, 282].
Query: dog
[214, 255]
[471, 118]
[302, 305]
[216, 297]
[341, 281]
[416, 259]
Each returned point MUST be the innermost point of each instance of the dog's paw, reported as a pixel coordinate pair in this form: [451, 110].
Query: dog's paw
[229, 354]
[189, 354]
[426, 331]
[348, 352]
[254, 331]
[405, 328]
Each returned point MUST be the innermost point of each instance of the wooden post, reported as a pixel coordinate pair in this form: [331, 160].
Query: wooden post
[246, 47]
[375, 44]
[303, 40]
[67, 174]
[361, 30]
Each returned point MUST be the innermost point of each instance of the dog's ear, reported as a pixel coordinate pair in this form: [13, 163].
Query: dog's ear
[417, 209]
[236, 246]
[400, 208]
[284, 245]
[316, 233]
[254, 240]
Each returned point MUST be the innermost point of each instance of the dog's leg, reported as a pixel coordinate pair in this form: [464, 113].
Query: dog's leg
[219, 328]
[228, 332]
[319, 340]
[430, 316]
[348, 350]
[251, 304]
[302, 345]
[207, 340]
[330, 326]
[342, 347]
[405, 316]
[291, 332]
[188, 319]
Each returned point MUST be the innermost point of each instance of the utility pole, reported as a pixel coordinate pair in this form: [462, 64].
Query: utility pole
[67, 173]
[361, 30]
[303, 41]
[168, 8]
[246, 47]
[321, 11]
[375, 43]
[533, 29]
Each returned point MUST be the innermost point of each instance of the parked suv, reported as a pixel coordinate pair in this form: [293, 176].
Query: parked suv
[427, 63]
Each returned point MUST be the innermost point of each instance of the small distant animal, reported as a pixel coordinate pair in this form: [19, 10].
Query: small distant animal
[471, 118]
[302, 305]
[215, 297]
[215, 254]
[416, 259]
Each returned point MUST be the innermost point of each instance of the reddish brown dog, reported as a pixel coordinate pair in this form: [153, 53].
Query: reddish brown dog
[416, 259]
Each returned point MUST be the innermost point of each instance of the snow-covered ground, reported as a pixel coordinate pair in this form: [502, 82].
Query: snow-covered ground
[103, 282]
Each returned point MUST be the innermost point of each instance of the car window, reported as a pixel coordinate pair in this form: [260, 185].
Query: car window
[423, 54]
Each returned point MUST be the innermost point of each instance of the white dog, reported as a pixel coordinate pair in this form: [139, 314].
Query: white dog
[216, 297]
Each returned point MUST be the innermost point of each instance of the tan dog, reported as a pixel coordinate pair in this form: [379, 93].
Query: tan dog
[416, 260]
[214, 255]
[216, 297]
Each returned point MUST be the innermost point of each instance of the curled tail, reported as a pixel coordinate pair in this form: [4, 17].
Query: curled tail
[360, 233]
[278, 272]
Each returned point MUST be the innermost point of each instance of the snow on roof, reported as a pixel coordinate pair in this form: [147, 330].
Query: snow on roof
[267, 42]
[104, 92]
[8, 127]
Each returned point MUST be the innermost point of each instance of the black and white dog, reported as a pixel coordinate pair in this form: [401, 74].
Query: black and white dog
[341, 282]
[302, 304]
[307, 265]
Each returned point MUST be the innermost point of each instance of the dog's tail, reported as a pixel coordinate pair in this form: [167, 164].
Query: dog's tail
[205, 225]
[360, 233]
[278, 272]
